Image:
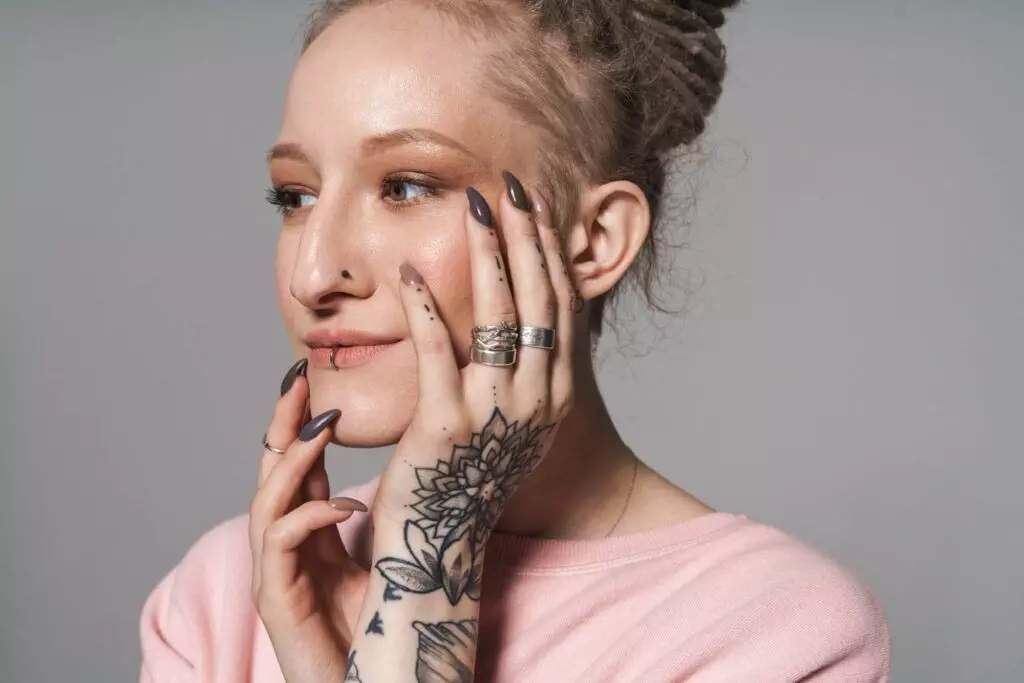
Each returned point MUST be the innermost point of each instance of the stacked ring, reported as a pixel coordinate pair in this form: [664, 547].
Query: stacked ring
[537, 337]
[494, 358]
[494, 344]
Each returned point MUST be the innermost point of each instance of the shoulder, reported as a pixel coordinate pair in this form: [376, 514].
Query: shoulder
[798, 607]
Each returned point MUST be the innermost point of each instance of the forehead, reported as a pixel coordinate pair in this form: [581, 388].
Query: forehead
[387, 66]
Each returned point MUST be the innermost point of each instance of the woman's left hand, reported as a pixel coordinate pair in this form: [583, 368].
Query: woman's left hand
[478, 431]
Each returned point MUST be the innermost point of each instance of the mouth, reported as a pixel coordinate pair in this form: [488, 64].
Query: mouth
[346, 356]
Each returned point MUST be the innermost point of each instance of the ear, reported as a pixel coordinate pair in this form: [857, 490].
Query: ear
[613, 222]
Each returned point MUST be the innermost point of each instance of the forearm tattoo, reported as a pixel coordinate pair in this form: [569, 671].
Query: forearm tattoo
[457, 506]
[446, 651]
[351, 670]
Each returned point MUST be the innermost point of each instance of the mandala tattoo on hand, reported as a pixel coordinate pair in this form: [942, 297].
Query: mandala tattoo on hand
[458, 505]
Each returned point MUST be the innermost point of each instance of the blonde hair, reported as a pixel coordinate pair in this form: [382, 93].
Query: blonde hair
[615, 88]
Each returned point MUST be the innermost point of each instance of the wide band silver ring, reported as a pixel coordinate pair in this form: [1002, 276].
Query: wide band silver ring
[498, 359]
[497, 337]
[269, 447]
[537, 337]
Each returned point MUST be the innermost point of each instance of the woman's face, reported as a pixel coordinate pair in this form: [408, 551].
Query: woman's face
[386, 124]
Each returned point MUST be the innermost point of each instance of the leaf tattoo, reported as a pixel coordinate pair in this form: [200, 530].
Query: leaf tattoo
[458, 503]
[391, 593]
[446, 651]
[375, 626]
[351, 670]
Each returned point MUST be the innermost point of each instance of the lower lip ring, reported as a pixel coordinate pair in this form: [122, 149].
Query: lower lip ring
[346, 356]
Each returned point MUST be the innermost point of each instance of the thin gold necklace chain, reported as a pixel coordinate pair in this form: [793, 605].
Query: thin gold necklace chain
[629, 496]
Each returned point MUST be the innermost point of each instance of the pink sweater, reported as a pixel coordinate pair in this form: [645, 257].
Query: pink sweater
[718, 599]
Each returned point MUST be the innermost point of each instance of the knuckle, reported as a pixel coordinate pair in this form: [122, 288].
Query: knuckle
[273, 536]
[549, 303]
[432, 344]
[505, 312]
[563, 400]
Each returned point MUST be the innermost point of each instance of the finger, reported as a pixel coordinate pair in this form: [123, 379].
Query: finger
[287, 418]
[283, 483]
[565, 294]
[279, 561]
[492, 296]
[316, 485]
[528, 270]
[437, 368]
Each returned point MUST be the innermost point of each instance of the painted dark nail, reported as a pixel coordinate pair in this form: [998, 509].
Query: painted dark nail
[293, 372]
[410, 275]
[541, 208]
[478, 207]
[343, 504]
[318, 424]
[516, 192]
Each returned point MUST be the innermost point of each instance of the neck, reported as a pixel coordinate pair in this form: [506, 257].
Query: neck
[581, 486]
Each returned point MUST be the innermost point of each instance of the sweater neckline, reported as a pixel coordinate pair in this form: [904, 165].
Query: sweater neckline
[553, 554]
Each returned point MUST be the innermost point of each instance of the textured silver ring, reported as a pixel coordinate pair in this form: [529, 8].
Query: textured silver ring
[497, 337]
[537, 337]
[269, 447]
[498, 359]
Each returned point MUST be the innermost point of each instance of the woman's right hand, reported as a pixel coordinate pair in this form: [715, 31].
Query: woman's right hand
[306, 588]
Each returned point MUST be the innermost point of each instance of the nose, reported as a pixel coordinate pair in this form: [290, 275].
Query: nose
[330, 265]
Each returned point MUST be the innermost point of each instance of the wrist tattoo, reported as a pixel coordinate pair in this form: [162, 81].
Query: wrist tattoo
[458, 504]
[446, 651]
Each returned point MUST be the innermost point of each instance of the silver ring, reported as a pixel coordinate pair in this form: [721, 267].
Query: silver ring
[537, 337]
[334, 350]
[498, 359]
[269, 447]
[498, 337]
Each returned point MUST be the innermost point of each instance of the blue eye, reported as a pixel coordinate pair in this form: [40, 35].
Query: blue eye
[400, 190]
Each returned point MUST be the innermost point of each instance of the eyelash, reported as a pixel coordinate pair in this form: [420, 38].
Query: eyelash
[288, 200]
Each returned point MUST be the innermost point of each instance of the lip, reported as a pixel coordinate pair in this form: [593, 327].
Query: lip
[351, 347]
[346, 356]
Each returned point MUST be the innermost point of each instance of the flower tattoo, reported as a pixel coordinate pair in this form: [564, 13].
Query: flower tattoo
[461, 500]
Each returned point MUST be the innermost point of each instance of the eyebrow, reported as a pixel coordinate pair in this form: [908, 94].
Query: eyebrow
[287, 150]
[380, 142]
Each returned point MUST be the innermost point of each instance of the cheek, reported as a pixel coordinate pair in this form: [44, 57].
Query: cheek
[444, 264]
[284, 262]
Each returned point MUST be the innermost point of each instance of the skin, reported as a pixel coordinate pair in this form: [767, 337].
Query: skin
[378, 70]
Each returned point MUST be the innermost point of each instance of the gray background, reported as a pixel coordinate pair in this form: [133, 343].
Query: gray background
[850, 368]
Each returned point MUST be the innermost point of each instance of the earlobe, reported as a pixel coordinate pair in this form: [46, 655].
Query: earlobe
[614, 221]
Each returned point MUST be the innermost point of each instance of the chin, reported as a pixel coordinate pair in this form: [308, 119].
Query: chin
[377, 401]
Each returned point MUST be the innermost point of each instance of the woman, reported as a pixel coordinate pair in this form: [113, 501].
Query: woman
[464, 186]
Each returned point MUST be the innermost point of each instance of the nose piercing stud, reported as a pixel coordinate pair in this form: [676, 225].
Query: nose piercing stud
[347, 275]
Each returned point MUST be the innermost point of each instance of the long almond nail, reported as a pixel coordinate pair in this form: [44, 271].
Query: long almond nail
[478, 207]
[318, 424]
[541, 209]
[516, 193]
[410, 275]
[343, 504]
[293, 373]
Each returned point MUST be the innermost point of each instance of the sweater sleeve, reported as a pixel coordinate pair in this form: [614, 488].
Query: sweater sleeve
[824, 627]
[180, 628]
